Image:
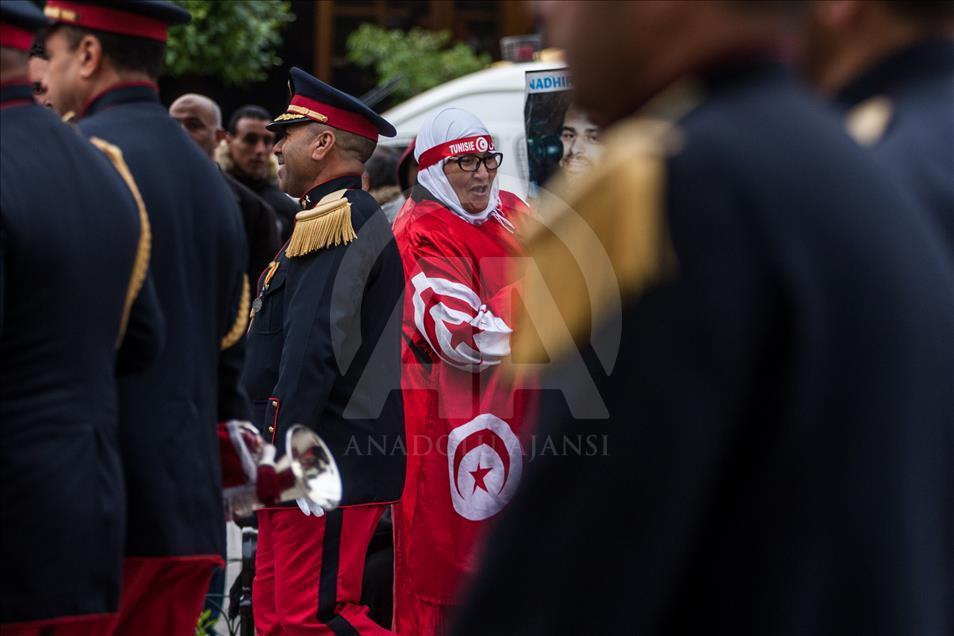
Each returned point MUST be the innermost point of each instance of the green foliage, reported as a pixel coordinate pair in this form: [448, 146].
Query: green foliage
[205, 624]
[420, 59]
[235, 40]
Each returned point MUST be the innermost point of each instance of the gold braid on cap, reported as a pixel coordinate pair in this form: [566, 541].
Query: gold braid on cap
[287, 116]
[241, 318]
[301, 110]
[143, 250]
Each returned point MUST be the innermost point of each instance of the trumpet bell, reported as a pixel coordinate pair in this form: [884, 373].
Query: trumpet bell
[316, 473]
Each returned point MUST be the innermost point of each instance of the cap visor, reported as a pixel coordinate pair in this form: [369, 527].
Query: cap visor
[281, 123]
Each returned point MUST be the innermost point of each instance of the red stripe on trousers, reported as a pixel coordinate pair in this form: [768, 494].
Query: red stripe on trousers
[288, 570]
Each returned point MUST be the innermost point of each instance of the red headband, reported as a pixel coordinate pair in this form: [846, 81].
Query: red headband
[13, 37]
[102, 18]
[346, 120]
[462, 146]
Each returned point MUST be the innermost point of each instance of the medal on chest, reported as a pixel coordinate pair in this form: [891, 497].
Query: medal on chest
[257, 303]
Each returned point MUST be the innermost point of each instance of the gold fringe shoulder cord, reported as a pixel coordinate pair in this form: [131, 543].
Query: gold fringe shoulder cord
[326, 225]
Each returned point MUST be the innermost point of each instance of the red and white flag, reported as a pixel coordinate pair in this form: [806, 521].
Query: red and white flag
[466, 422]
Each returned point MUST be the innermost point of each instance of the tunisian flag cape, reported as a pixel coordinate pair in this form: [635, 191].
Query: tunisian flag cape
[466, 423]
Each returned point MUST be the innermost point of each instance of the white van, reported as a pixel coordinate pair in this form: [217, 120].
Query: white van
[495, 95]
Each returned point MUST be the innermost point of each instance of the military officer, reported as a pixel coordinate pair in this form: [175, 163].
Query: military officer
[889, 66]
[324, 350]
[105, 58]
[758, 343]
[74, 253]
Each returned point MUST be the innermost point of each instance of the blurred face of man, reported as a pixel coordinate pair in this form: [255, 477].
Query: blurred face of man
[611, 47]
[68, 72]
[199, 121]
[581, 145]
[472, 188]
[37, 71]
[250, 147]
[829, 30]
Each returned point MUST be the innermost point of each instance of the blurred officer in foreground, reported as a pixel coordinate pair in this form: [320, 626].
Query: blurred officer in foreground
[202, 119]
[74, 253]
[104, 61]
[772, 347]
[324, 350]
[247, 156]
[890, 66]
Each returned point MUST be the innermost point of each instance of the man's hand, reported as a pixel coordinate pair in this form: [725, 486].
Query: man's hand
[240, 448]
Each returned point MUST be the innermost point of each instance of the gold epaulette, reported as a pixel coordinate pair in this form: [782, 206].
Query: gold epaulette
[241, 317]
[325, 225]
[602, 239]
[141, 264]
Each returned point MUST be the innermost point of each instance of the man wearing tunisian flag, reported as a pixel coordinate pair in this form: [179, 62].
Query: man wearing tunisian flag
[458, 239]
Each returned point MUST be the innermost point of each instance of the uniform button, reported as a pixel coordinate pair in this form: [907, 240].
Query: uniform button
[275, 403]
[271, 429]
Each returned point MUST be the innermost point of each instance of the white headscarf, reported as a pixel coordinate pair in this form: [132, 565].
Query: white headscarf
[448, 125]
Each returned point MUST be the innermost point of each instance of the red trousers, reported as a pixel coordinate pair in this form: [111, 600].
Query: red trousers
[308, 571]
[163, 595]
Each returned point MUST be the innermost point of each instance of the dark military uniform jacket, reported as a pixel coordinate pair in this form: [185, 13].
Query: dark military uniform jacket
[748, 423]
[903, 109]
[169, 413]
[71, 238]
[261, 227]
[324, 349]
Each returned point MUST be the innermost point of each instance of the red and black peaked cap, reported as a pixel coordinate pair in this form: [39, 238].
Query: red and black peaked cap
[149, 19]
[313, 100]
